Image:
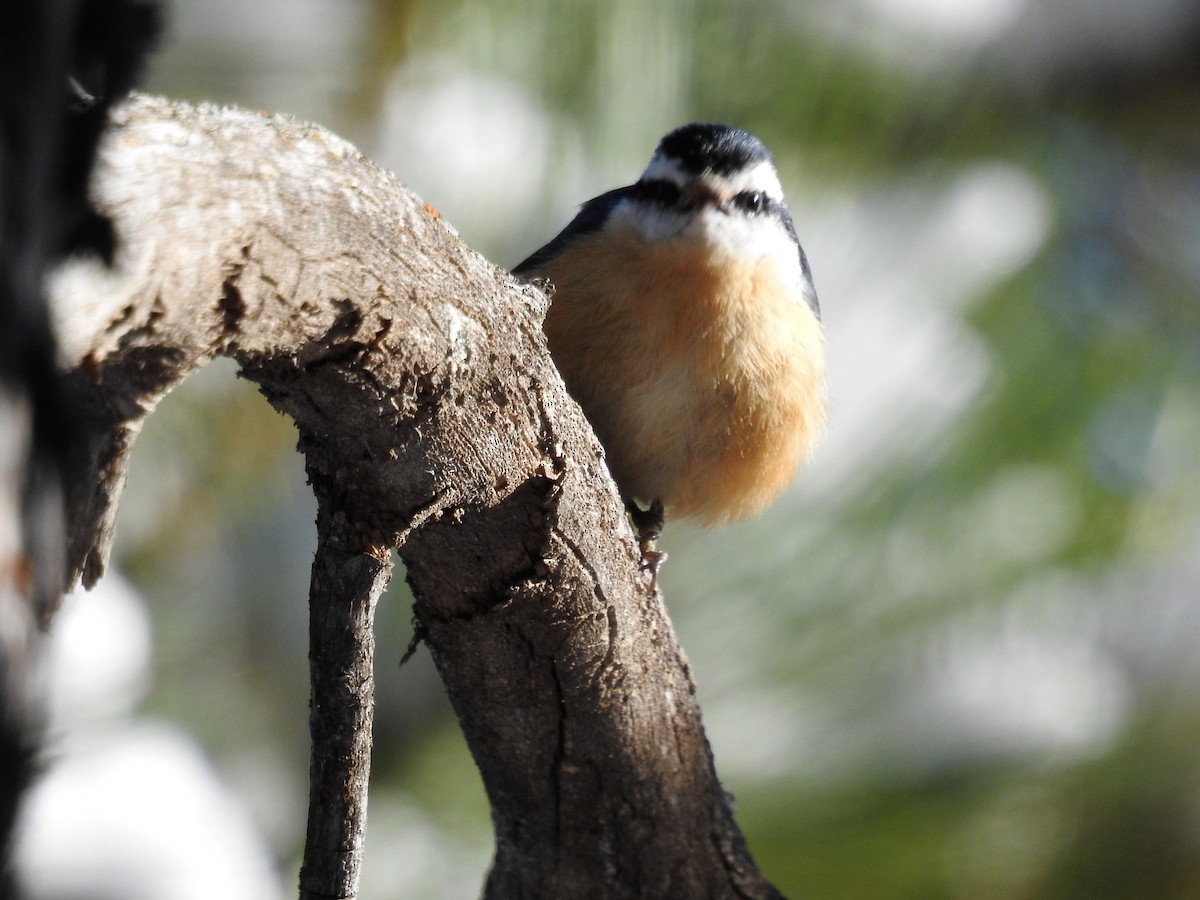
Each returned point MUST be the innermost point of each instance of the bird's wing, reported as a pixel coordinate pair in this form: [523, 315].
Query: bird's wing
[813, 304]
[590, 219]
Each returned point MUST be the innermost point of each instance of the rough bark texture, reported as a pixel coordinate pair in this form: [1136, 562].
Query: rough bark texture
[432, 421]
[346, 583]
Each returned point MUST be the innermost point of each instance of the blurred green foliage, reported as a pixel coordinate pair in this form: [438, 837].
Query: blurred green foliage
[959, 659]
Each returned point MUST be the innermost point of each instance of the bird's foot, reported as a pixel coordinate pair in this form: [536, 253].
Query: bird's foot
[648, 522]
[649, 525]
[652, 561]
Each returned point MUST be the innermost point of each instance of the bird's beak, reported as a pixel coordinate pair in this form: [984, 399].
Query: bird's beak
[704, 191]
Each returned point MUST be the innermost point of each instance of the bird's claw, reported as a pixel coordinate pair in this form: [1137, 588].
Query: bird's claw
[649, 525]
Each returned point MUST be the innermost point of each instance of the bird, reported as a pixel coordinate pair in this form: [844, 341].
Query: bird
[684, 321]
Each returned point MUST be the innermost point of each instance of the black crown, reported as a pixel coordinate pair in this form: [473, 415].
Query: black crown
[700, 147]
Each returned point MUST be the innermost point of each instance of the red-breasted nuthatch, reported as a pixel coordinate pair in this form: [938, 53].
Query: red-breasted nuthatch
[685, 323]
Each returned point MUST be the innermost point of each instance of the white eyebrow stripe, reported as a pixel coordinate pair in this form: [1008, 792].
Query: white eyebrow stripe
[759, 177]
[664, 168]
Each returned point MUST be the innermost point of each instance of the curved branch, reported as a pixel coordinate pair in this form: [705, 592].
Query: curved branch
[433, 422]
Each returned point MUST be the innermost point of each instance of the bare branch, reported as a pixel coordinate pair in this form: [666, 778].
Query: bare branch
[432, 421]
[345, 587]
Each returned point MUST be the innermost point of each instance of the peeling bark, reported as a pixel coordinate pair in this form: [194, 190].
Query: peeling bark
[433, 422]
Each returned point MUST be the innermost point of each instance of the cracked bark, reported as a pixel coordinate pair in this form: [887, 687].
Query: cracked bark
[432, 422]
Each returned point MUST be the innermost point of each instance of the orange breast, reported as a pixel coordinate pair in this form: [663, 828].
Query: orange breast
[702, 376]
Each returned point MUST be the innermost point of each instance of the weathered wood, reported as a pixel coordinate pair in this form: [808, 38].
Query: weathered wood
[346, 583]
[432, 421]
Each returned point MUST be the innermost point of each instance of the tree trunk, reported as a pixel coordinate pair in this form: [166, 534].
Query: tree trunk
[433, 422]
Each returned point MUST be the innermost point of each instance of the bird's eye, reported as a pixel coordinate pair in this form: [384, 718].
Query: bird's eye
[659, 192]
[751, 201]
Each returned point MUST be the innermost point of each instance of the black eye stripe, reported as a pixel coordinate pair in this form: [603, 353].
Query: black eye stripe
[754, 202]
[664, 193]
[658, 191]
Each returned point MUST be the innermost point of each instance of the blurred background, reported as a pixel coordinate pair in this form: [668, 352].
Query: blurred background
[959, 659]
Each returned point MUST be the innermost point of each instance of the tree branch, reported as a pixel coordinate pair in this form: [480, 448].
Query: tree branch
[433, 422]
[346, 584]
